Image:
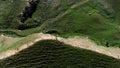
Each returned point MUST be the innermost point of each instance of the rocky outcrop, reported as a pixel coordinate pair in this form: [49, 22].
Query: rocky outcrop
[28, 11]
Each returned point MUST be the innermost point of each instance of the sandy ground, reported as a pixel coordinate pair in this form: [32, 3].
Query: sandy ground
[84, 43]
[6, 41]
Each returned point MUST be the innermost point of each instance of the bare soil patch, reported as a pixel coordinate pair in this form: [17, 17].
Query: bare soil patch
[76, 41]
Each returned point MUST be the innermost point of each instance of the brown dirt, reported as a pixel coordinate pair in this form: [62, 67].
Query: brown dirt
[84, 43]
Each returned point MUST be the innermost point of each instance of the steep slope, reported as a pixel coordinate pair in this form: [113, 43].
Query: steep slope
[98, 19]
[10, 47]
[52, 54]
[9, 11]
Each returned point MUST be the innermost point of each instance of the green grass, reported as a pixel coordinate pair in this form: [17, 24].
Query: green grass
[54, 54]
[92, 24]
[117, 9]
[9, 13]
[16, 45]
[89, 18]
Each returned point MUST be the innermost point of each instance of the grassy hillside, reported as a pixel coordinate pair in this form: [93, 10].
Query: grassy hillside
[89, 18]
[87, 21]
[9, 11]
[52, 54]
[98, 19]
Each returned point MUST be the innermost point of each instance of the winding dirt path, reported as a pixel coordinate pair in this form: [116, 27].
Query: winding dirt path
[84, 43]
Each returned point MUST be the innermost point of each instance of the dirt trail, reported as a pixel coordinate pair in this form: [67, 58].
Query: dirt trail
[84, 43]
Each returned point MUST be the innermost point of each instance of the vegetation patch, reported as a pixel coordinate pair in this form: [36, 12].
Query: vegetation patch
[52, 54]
[97, 19]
